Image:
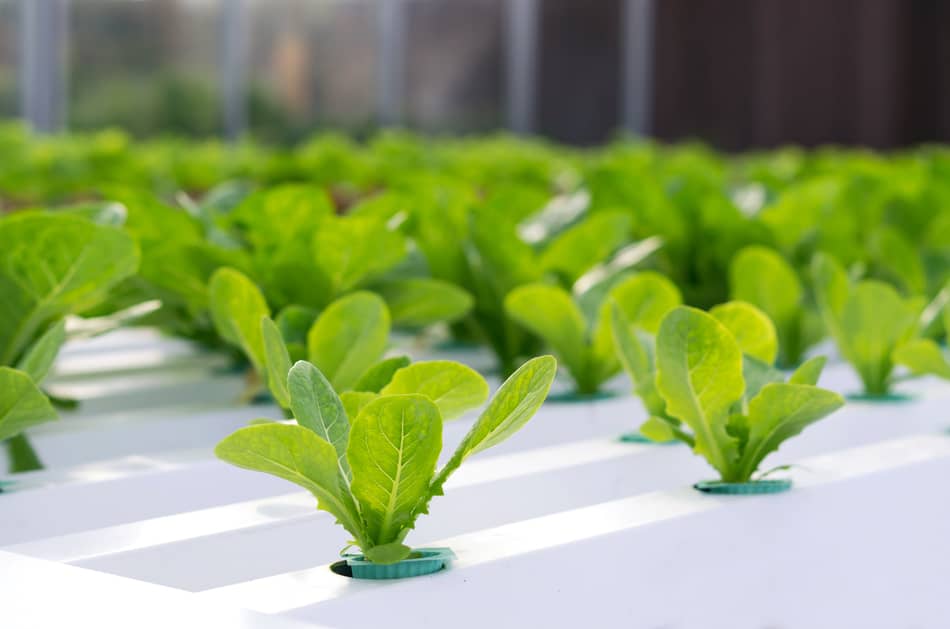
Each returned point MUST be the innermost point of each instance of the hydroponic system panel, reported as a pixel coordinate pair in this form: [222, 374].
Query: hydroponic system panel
[570, 525]
[468, 383]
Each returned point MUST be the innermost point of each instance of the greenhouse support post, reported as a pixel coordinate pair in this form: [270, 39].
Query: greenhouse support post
[43, 32]
[521, 46]
[636, 65]
[232, 64]
[391, 34]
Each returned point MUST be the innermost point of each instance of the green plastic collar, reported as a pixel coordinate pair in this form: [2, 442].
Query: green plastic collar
[424, 561]
[769, 486]
[636, 437]
[573, 397]
[887, 398]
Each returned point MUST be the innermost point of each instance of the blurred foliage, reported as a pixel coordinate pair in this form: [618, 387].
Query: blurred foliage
[487, 214]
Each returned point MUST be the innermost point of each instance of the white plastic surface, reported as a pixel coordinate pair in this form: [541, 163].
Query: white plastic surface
[40, 594]
[822, 555]
[562, 526]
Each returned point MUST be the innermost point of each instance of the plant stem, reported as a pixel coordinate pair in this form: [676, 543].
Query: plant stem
[22, 457]
[62, 403]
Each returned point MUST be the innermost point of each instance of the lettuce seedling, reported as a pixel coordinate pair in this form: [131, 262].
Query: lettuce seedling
[475, 247]
[178, 257]
[636, 349]
[374, 469]
[731, 419]
[762, 277]
[344, 341]
[418, 302]
[294, 322]
[22, 405]
[51, 266]
[872, 325]
[306, 256]
[586, 348]
[303, 254]
[894, 259]
[585, 245]
[923, 356]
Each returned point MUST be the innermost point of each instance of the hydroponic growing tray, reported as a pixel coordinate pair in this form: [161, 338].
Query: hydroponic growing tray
[562, 526]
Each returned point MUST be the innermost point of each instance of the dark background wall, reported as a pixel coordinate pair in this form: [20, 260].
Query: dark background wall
[578, 96]
[738, 74]
[756, 73]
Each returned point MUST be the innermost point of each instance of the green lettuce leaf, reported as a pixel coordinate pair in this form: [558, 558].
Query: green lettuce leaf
[348, 337]
[636, 353]
[453, 387]
[298, 455]
[394, 445]
[874, 322]
[40, 356]
[379, 375]
[294, 323]
[353, 250]
[54, 265]
[515, 402]
[898, 261]
[277, 360]
[419, 301]
[699, 376]
[316, 406]
[22, 404]
[809, 371]
[781, 411]
[237, 307]
[354, 401]
[762, 277]
[586, 244]
[550, 313]
[270, 217]
[645, 299]
[923, 357]
[751, 328]
[832, 287]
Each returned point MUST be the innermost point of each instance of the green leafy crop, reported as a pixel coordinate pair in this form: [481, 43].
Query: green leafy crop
[586, 348]
[730, 415]
[417, 302]
[22, 404]
[923, 356]
[635, 344]
[345, 340]
[179, 253]
[51, 266]
[874, 327]
[374, 468]
[303, 255]
[763, 278]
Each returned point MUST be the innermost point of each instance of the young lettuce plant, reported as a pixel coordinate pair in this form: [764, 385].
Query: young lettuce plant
[305, 256]
[731, 419]
[302, 253]
[178, 256]
[923, 356]
[586, 244]
[344, 341]
[475, 247]
[636, 349]
[761, 276]
[873, 326]
[586, 348]
[374, 468]
[51, 266]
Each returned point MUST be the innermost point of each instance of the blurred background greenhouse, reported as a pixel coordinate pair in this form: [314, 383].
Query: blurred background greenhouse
[695, 253]
[737, 74]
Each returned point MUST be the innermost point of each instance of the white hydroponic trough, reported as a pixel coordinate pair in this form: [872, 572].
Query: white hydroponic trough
[561, 526]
